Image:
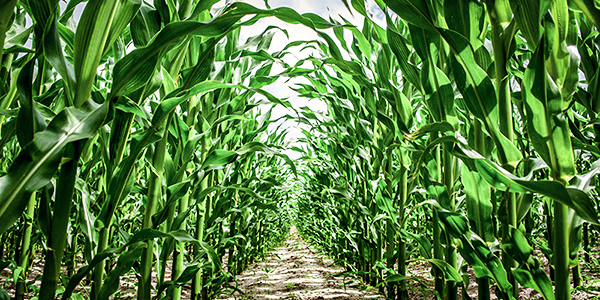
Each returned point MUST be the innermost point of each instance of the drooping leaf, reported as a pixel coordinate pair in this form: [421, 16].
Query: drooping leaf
[38, 161]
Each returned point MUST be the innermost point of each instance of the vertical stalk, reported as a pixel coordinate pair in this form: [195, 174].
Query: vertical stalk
[154, 196]
[403, 289]
[450, 254]
[390, 259]
[231, 251]
[72, 263]
[21, 289]
[205, 276]
[586, 242]
[499, 15]
[242, 261]
[179, 249]
[561, 251]
[60, 222]
[483, 284]
[368, 250]
[200, 219]
[576, 271]
[98, 273]
[437, 231]
[548, 233]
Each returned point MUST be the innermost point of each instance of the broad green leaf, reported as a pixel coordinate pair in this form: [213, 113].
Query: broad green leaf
[534, 277]
[90, 40]
[443, 127]
[144, 26]
[126, 10]
[29, 118]
[503, 180]
[218, 158]
[547, 124]
[517, 246]
[479, 206]
[529, 273]
[124, 264]
[45, 14]
[590, 8]
[466, 17]
[175, 192]
[527, 16]
[450, 273]
[415, 12]
[479, 94]
[398, 46]
[135, 67]
[38, 161]
[475, 251]
[212, 256]
[127, 105]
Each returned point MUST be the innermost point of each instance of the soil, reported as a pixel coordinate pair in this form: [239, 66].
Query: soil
[297, 271]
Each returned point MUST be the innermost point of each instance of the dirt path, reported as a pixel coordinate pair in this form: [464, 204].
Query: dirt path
[295, 271]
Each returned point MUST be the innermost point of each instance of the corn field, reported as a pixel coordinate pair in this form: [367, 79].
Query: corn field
[138, 145]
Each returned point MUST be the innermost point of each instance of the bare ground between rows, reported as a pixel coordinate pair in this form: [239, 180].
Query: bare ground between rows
[295, 271]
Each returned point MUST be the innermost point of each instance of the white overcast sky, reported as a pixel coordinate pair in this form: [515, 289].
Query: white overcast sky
[281, 88]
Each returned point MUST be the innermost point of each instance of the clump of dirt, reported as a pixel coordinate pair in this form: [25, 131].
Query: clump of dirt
[295, 271]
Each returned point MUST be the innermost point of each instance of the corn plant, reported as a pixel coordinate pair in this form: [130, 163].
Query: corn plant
[138, 138]
[140, 130]
[465, 95]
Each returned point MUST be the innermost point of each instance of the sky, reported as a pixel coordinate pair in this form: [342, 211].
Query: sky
[281, 88]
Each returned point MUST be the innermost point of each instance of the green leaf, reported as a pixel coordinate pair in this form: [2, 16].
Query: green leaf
[128, 106]
[124, 264]
[535, 277]
[144, 26]
[503, 180]
[517, 246]
[90, 40]
[450, 273]
[218, 158]
[4, 294]
[443, 127]
[38, 161]
[125, 12]
[546, 122]
[527, 16]
[529, 273]
[212, 256]
[175, 192]
[479, 206]
[398, 46]
[135, 68]
[415, 12]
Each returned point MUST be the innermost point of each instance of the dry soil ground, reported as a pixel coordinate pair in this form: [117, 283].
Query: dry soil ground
[296, 271]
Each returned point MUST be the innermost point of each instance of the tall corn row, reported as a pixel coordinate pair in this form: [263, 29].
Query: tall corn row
[140, 130]
[464, 68]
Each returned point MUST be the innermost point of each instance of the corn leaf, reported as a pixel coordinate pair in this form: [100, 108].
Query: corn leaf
[39, 160]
